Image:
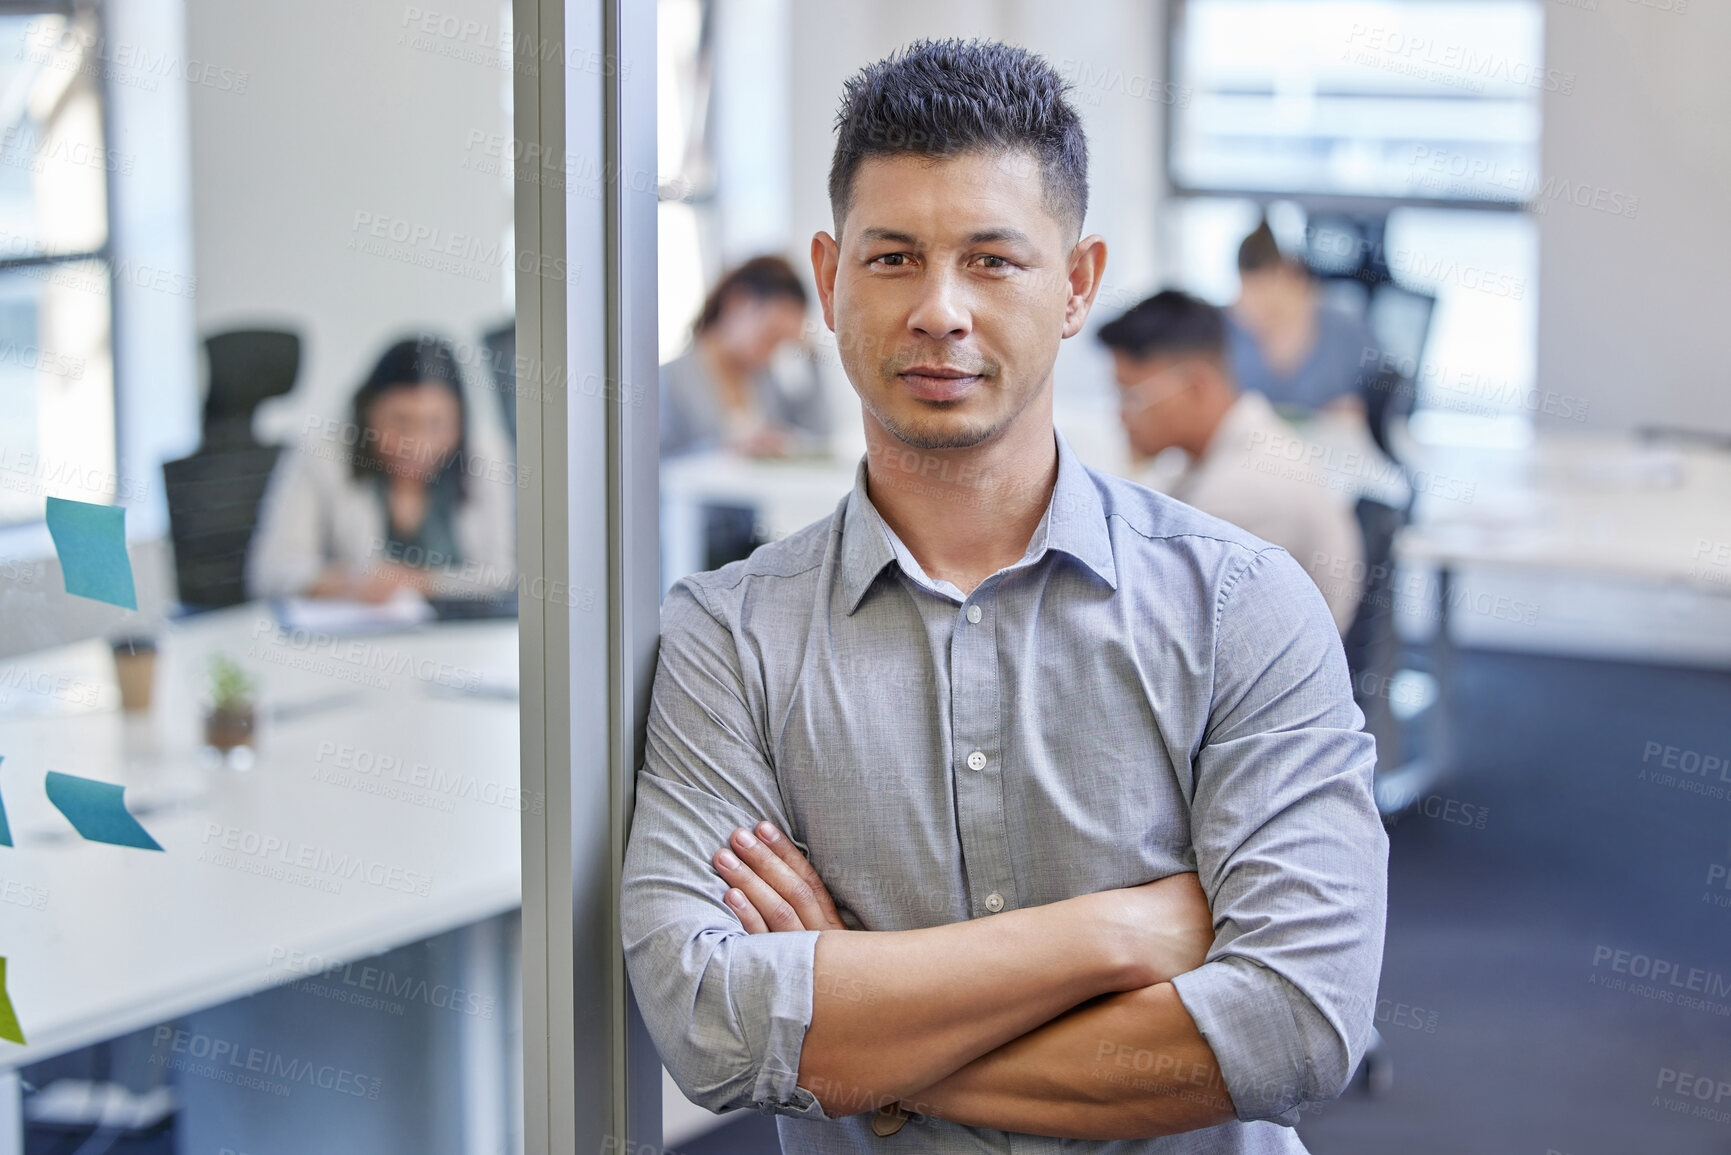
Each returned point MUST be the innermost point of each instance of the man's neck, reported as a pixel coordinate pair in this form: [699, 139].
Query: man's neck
[965, 514]
[1219, 406]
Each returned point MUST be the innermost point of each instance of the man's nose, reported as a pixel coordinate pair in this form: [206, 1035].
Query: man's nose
[942, 308]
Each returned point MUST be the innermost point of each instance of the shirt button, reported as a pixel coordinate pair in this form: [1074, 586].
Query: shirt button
[976, 761]
[974, 614]
[994, 902]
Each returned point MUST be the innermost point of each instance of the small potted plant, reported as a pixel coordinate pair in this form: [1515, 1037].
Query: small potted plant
[230, 721]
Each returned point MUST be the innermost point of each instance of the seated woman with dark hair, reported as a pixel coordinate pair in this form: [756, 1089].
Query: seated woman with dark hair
[396, 497]
[720, 393]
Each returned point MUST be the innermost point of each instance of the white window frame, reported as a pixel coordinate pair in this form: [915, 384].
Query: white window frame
[588, 551]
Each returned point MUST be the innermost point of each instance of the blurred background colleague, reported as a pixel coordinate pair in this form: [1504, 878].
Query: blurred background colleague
[397, 498]
[1285, 342]
[722, 392]
[1177, 390]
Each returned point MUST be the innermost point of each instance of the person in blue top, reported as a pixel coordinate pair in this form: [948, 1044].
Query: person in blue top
[1286, 343]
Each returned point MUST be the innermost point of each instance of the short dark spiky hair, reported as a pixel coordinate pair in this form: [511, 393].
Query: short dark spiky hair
[1170, 322]
[943, 98]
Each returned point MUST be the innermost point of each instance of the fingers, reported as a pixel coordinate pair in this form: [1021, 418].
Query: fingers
[783, 848]
[741, 906]
[777, 881]
[788, 886]
[775, 911]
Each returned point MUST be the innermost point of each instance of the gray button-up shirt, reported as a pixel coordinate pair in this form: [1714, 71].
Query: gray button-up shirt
[1149, 690]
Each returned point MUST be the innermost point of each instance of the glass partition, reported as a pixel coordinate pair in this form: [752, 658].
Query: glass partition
[261, 847]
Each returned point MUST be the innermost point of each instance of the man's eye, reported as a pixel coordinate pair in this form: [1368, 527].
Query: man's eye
[891, 259]
[987, 261]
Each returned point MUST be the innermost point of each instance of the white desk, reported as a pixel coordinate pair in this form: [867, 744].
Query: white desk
[1612, 548]
[129, 938]
[788, 495]
[1585, 545]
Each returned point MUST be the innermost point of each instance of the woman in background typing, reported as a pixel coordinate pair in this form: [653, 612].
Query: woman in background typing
[396, 498]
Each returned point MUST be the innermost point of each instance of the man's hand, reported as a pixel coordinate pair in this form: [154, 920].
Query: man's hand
[1165, 925]
[374, 584]
[1131, 939]
[772, 886]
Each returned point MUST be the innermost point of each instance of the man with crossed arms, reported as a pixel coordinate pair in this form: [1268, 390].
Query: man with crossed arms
[1013, 802]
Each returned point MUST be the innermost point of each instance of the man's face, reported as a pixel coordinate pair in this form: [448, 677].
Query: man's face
[1157, 398]
[949, 291]
[1267, 296]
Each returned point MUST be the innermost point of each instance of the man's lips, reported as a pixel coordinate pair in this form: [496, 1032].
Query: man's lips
[938, 382]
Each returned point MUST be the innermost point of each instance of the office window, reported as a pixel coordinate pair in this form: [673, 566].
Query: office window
[1419, 100]
[1386, 141]
[686, 173]
[1476, 382]
[56, 370]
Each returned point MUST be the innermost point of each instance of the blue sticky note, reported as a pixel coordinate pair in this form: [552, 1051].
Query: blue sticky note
[91, 542]
[97, 810]
[5, 830]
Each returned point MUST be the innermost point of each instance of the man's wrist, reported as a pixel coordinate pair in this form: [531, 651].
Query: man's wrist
[1105, 928]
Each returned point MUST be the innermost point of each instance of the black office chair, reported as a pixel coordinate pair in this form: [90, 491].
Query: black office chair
[214, 494]
[1356, 274]
[1348, 257]
[1373, 650]
[1399, 319]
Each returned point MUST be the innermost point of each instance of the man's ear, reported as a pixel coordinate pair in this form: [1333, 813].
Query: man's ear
[825, 260]
[1087, 268]
[1196, 376]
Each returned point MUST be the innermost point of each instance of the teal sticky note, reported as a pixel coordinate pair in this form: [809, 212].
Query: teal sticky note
[5, 830]
[91, 542]
[9, 1028]
[97, 810]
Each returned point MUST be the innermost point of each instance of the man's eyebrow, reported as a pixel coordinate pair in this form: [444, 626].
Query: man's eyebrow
[876, 233]
[996, 235]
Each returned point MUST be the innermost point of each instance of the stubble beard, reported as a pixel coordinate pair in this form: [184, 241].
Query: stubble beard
[942, 434]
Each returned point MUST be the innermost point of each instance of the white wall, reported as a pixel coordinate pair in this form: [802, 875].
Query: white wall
[349, 109]
[1632, 309]
[1111, 49]
[749, 124]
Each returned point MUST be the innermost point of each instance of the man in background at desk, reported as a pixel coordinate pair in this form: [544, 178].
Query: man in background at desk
[1286, 343]
[1247, 465]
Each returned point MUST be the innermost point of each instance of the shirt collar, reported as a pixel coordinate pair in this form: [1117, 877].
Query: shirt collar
[1074, 523]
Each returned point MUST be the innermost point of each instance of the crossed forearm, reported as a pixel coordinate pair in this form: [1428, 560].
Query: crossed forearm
[894, 1012]
[1128, 1066]
[984, 1021]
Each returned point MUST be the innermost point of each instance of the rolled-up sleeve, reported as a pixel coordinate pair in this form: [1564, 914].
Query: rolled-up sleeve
[728, 1010]
[1290, 850]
